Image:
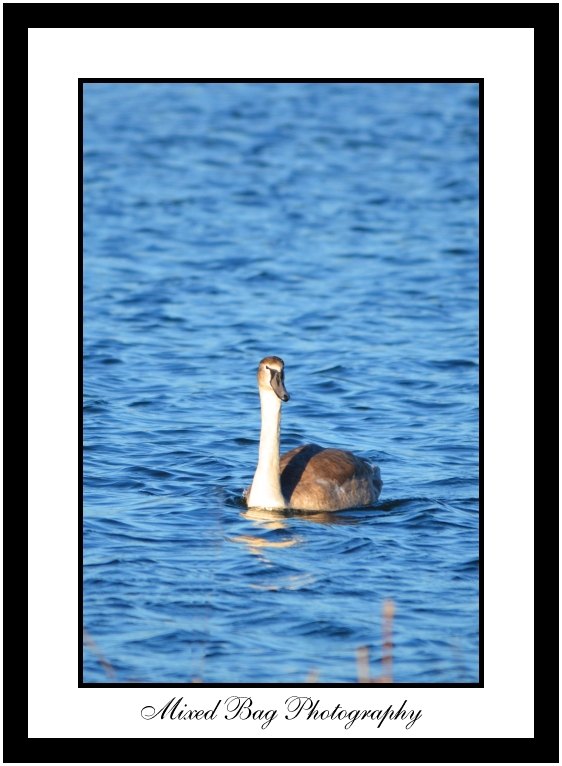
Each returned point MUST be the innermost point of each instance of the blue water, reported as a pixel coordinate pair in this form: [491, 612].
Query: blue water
[336, 226]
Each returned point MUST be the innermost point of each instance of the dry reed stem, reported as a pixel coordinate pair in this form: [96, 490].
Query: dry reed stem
[363, 673]
[363, 664]
[96, 651]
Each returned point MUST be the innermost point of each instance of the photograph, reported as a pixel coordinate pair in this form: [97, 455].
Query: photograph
[280, 376]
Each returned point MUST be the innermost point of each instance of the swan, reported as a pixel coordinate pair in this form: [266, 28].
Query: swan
[308, 478]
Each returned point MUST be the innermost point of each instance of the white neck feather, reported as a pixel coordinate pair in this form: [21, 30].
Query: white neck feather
[266, 486]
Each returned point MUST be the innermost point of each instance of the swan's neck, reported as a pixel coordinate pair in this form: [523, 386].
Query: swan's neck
[266, 486]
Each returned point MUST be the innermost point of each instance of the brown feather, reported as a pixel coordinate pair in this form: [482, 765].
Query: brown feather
[325, 479]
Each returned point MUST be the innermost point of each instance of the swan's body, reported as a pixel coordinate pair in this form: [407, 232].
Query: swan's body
[308, 478]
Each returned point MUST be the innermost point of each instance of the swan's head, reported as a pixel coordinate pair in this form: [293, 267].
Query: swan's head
[271, 377]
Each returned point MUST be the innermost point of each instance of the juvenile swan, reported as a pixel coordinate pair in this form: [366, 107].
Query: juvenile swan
[308, 478]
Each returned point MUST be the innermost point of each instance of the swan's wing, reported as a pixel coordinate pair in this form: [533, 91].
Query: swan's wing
[298, 458]
[327, 479]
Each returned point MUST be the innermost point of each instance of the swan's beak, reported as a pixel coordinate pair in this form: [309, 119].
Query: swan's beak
[278, 385]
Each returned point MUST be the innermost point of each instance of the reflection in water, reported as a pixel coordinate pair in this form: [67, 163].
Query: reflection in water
[261, 542]
[256, 547]
[274, 519]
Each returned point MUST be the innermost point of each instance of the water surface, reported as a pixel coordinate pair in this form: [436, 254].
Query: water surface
[334, 225]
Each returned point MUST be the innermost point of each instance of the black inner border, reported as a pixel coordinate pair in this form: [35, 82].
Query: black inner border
[480, 683]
